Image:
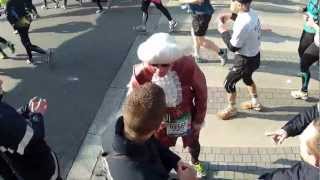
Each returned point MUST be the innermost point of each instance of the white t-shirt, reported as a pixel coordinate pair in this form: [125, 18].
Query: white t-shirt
[247, 33]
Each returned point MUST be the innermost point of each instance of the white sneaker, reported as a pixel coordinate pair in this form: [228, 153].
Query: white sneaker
[29, 61]
[299, 95]
[140, 28]
[100, 11]
[43, 7]
[172, 25]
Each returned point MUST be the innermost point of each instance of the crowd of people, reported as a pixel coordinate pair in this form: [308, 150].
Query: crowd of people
[167, 98]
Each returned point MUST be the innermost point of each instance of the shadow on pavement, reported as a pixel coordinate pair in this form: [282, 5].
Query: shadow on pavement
[246, 169]
[266, 35]
[70, 27]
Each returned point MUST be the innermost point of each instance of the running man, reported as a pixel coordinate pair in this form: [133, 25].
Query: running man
[202, 12]
[145, 15]
[308, 47]
[18, 16]
[245, 42]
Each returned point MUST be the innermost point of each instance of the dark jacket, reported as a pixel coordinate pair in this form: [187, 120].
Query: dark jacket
[23, 147]
[14, 126]
[298, 123]
[129, 160]
[16, 9]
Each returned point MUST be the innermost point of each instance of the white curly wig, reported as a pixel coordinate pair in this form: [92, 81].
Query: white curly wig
[161, 48]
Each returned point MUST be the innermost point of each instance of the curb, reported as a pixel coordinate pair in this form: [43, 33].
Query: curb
[83, 164]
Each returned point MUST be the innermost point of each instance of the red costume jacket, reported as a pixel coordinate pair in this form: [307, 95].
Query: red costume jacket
[184, 86]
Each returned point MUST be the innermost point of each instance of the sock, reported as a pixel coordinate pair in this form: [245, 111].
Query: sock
[254, 99]
[231, 105]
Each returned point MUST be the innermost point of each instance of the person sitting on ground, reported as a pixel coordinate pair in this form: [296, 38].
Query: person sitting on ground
[135, 153]
[171, 66]
[24, 153]
[308, 125]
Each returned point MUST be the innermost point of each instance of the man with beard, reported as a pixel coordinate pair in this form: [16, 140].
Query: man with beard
[166, 64]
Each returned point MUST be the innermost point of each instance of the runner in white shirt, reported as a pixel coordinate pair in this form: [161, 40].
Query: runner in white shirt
[245, 42]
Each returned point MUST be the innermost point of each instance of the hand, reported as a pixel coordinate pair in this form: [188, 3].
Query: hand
[222, 27]
[185, 171]
[278, 136]
[38, 105]
[311, 23]
[305, 17]
[223, 17]
[183, 165]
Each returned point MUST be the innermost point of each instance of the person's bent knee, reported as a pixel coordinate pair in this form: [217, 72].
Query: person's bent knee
[248, 81]
[230, 87]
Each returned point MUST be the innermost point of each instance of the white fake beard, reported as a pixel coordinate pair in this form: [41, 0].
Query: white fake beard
[171, 86]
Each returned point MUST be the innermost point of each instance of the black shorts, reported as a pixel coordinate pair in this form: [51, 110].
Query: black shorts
[246, 65]
[243, 68]
[200, 24]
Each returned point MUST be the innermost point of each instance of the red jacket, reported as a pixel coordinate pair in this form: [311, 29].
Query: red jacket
[189, 93]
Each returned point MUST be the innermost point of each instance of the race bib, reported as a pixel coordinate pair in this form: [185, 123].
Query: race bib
[179, 127]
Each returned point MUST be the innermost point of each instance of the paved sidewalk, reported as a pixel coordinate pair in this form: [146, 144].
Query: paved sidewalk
[243, 163]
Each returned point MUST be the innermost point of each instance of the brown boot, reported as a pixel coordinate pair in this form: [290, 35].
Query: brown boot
[249, 105]
[227, 113]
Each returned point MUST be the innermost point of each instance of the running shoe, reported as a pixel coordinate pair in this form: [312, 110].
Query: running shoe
[249, 105]
[227, 113]
[172, 25]
[3, 56]
[100, 11]
[223, 57]
[299, 95]
[29, 61]
[43, 7]
[200, 169]
[140, 28]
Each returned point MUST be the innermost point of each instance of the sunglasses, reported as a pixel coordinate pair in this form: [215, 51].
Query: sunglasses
[160, 65]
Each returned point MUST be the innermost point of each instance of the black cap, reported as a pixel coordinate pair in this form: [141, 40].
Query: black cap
[244, 1]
